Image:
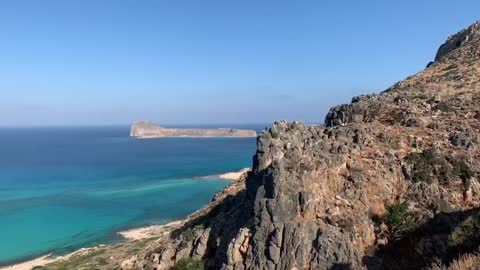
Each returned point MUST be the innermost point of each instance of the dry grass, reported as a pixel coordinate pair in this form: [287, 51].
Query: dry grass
[466, 262]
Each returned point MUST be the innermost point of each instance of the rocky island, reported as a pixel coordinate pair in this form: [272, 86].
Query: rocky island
[391, 181]
[143, 130]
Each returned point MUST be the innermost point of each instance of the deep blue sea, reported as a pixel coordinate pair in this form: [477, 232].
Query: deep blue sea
[66, 188]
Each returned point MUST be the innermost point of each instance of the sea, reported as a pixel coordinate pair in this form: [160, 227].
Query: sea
[64, 188]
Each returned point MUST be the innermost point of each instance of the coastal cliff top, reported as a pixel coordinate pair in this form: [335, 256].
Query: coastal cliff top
[142, 129]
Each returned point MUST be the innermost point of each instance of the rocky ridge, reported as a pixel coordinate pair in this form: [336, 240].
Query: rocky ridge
[390, 182]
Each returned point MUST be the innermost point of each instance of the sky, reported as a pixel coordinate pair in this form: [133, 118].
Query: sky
[111, 62]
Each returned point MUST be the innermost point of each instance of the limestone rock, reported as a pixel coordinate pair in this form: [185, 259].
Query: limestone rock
[129, 264]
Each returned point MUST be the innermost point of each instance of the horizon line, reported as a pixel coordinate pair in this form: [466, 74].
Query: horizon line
[128, 125]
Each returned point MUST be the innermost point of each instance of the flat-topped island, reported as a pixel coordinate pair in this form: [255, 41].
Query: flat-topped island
[145, 130]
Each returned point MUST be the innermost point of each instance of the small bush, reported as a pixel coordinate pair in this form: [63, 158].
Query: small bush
[392, 118]
[188, 235]
[396, 215]
[466, 233]
[427, 166]
[188, 264]
[461, 169]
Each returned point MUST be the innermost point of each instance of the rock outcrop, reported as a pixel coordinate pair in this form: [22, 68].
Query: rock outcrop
[390, 182]
[152, 130]
[456, 41]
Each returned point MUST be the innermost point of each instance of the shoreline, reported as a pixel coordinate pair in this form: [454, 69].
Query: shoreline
[129, 235]
[226, 176]
[48, 258]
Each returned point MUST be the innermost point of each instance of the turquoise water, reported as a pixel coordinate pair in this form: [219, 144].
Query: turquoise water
[66, 188]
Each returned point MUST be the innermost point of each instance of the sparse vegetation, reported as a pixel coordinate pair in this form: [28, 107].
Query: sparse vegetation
[85, 261]
[466, 233]
[188, 264]
[429, 166]
[392, 117]
[102, 261]
[399, 220]
[461, 169]
[188, 235]
[396, 215]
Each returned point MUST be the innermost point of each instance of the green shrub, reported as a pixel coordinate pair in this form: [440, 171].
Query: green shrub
[427, 166]
[188, 235]
[396, 215]
[392, 117]
[188, 264]
[399, 220]
[461, 169]
[467, 231]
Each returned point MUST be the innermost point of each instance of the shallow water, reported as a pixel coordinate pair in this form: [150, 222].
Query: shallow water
[66, 188]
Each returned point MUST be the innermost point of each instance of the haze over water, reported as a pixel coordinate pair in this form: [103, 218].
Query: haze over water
[66, 188]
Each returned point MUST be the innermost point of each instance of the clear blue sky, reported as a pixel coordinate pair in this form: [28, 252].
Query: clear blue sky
[95, 62]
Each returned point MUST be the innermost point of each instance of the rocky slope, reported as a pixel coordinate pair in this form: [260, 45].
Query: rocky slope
[152, 130]
[390, 182]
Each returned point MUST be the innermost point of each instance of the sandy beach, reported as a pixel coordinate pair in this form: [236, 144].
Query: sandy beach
[28, 265]
[46, 259]
[233, 175]
[130, 235]
[150, 231]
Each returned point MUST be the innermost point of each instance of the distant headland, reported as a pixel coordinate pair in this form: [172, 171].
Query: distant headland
[144, 130]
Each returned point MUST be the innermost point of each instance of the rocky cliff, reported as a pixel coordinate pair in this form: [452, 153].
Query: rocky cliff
[390, 182]
[152, 130]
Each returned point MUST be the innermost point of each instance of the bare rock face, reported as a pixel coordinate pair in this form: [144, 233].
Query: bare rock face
[390, 182]
[151, 130]
[457, 40]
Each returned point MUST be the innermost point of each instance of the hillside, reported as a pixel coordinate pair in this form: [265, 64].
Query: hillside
[390, 182]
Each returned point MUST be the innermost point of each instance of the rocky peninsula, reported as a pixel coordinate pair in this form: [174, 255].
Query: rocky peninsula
[144, 130]
[391, 181]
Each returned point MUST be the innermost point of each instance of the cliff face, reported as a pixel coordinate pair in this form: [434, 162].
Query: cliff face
[152, 130]
[457, 40]
[390, 182]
